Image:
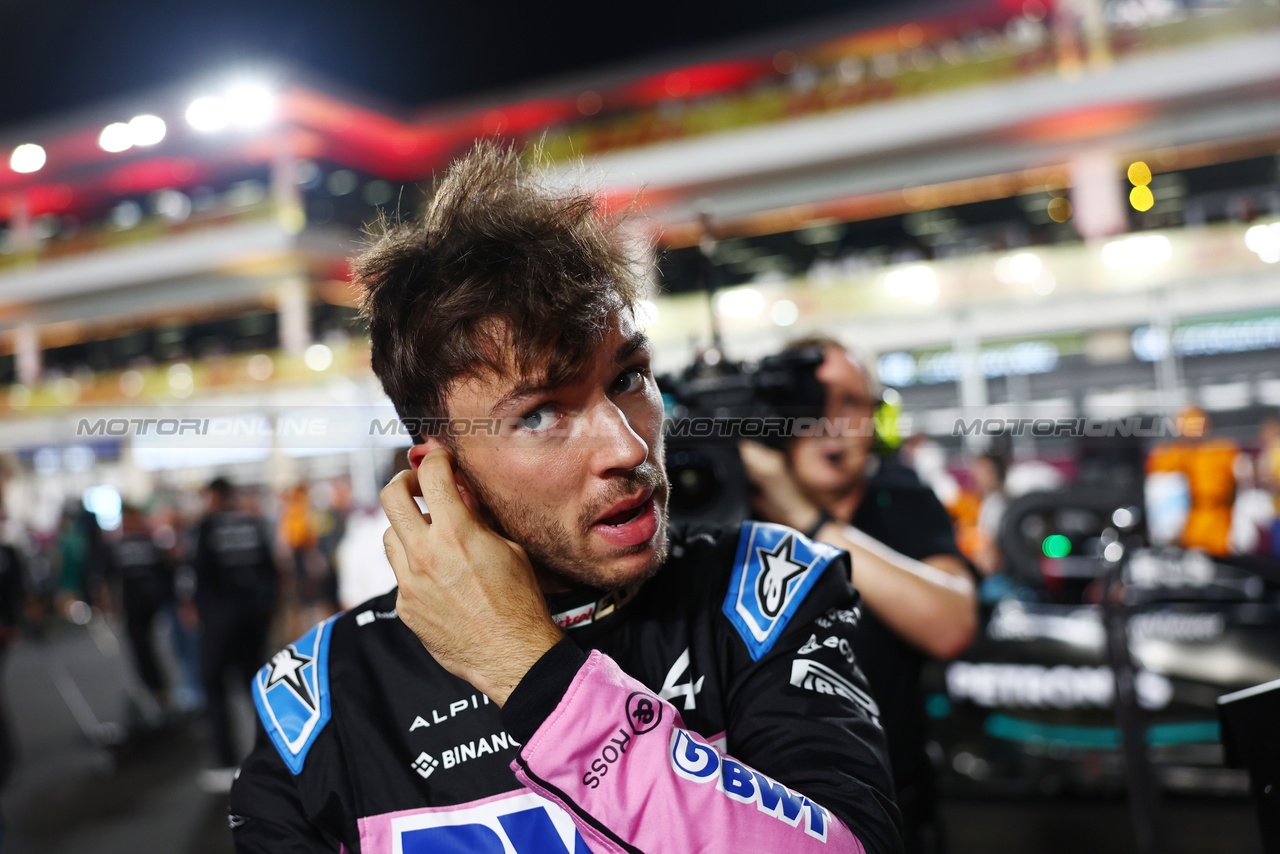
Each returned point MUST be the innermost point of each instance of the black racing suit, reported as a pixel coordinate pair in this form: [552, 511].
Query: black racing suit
[719, 709]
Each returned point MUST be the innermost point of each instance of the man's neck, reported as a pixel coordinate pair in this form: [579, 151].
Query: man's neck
[842, 503]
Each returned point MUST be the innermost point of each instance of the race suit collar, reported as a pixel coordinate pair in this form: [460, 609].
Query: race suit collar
[580, 608]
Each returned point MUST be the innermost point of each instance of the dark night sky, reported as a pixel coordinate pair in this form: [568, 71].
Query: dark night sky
[61, 54]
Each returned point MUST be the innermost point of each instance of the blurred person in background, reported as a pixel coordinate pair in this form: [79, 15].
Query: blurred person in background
[929, 460]
[236, 583]
[299, 533]
[73, 562]
[1269, 476]
[140, 577]
[988, 472]
[176, 537]
[12, 602]
[360, 560]
[918, 590]
[1209, 467]
[331, 527]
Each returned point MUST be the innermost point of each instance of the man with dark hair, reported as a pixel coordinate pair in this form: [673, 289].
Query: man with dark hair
[235, 595]
[606, 686]
[919, 593]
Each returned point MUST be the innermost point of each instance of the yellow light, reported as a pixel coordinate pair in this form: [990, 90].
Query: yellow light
[1141, 198]
[1059, 210]
[1140, 176]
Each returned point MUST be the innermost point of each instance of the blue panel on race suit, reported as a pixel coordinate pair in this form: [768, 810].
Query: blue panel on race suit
[772, 573]
[292, 694]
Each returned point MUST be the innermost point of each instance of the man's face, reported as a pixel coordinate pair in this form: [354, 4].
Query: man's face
[835, 463]
[576, 474]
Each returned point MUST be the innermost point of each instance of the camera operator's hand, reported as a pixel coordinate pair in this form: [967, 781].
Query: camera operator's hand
[470, 595]
[776, 494]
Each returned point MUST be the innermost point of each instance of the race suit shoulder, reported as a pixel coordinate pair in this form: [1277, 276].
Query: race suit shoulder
[717, 708]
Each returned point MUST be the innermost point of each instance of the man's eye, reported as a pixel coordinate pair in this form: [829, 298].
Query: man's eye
[538, 419]
[630, 380]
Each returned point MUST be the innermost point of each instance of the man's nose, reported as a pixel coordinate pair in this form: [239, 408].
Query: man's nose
[617, 447]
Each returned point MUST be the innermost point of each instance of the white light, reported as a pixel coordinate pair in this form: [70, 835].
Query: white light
[784, 312]
[739, 302]
[131, 383]
[1264, 241]
[208, 114]
[126, 215]
[897, 368]
[172, 205]
[1025, 267]
[646, 313]
[260, 366]
[1149, 343]
[250, 106]
[46, 460]
[26, 158]
[146, 129]
[1113, 552]
[181, 382]
[918, 282]
[104, 503]
[1137, 251]
[1045, 284]
[318, 357]
[115, 137]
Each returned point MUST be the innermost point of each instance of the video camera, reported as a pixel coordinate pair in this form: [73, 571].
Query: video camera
[710, 407]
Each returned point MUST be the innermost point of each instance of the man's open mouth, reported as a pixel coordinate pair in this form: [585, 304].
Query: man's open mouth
[622, 518]
[626, 511]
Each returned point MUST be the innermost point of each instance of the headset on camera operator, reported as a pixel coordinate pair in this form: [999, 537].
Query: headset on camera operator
[919, 592]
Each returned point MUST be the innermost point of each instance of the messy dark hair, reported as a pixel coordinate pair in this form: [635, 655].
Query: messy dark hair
[501, 273]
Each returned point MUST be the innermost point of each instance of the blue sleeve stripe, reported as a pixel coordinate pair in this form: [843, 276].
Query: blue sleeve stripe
[291, 693]
[775, 568]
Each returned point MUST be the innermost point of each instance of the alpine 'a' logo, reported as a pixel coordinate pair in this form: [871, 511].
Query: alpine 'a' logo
[285, 667]
[780, 569]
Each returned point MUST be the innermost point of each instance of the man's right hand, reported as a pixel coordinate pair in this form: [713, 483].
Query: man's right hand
[470, 595]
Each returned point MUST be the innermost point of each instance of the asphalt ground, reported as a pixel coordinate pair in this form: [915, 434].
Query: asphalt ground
[69, 794]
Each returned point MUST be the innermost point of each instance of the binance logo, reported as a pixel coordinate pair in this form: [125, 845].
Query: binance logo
[425, 764]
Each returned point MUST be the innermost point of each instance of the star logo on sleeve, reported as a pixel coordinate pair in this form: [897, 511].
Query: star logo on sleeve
[286, 667]
[780, 570]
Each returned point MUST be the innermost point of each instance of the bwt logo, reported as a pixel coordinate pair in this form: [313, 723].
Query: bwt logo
[701, 763]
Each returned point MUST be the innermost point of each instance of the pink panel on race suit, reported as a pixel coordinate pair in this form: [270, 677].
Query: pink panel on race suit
[662, 789]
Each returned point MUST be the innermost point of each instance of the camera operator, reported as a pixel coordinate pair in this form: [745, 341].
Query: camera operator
[918, 590]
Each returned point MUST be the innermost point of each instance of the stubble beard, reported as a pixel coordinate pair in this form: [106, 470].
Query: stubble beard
[557, 555]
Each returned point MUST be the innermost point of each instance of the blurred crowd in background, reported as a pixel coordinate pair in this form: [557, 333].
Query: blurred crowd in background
[163, 575]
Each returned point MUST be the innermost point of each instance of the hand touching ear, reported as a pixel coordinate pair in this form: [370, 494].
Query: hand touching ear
[470, 595]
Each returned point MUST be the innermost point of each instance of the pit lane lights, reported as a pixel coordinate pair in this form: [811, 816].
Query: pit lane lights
[245, 107]
[141, 130]
[27, 158]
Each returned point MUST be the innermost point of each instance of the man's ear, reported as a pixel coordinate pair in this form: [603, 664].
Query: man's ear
[421, 449]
